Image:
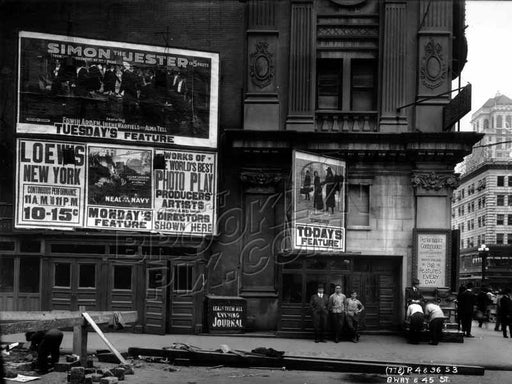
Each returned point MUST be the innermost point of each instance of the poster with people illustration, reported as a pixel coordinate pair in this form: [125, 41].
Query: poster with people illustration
[77, 87]
[318, 202]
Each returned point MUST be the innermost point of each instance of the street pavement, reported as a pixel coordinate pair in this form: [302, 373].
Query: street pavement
[487, 349]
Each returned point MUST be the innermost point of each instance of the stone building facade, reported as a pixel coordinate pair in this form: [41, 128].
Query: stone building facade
[363, 82]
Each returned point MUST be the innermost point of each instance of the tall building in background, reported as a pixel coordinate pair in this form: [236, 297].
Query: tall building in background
[482, 204]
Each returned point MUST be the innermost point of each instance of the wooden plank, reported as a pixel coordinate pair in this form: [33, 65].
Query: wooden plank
[80, 340]
[41, 322]
[99, 317]
[105, 340]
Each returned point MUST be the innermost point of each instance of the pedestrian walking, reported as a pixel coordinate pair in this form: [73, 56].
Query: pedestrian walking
[319, 310]
[506, 312]
[416, 321]
[482, 306]
[466, 304]
[354, 308]
[337, 308]
[499, 295]
[462, 289]
[435, 317]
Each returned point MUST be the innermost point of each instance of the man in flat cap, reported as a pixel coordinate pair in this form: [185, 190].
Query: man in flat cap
[319, 310]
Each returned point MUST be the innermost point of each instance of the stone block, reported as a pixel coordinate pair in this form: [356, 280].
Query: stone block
[107, 373]
[77, 375]
[128, 370]
[96, 377]
[66, 366]
[119, 373]
[88, 379]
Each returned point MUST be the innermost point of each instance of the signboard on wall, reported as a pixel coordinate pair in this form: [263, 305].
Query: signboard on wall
[184, 187]
[64, 185]
[318, 202]
[50, 184]
[107, 90]
[431, 258]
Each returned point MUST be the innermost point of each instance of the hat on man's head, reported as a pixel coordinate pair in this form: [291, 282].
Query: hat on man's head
[415, 281]
[320, 285]
[469, 285]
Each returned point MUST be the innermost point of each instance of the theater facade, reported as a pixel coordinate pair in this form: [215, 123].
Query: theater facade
[164, 156]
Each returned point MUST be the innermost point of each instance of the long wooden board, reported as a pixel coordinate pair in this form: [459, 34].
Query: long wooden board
[103, 337]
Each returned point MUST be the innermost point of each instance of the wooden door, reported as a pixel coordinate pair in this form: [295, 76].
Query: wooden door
[75, 283]
[183, 287]
[20, 283]
[155, 308]
[122, 287]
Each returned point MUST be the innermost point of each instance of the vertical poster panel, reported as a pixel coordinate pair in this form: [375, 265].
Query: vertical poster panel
[50, 184]
[78, 87]
[432, 249]
[318, 202]
[184, 186]
[119, 181]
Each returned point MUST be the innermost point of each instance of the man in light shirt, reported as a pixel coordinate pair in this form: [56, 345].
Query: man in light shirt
[337, 309]
[415, 318]
[435, 317]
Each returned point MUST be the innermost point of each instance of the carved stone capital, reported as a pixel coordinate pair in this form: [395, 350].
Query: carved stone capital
[260, 177]
[434, 181]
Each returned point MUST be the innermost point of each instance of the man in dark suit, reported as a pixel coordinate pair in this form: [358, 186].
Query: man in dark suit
[413, 293]
[467, 300]
[319, 303]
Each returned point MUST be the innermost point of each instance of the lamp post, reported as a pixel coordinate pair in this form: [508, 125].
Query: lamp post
[483, 251]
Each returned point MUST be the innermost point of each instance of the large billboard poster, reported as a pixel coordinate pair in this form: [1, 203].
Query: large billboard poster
[50, 184]
[66, 185]
[119, 188]
[318, 202]
[78, 87]
[185, 185]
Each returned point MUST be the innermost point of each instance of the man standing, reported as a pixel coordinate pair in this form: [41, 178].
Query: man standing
[435, 317]
[319, 303]
[337, 308]
[506, 312]
[413, 293]
[45, 343]
[415, 318]
[466, 303]
[354, 309]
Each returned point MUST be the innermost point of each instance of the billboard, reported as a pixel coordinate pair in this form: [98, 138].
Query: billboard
[318, 203]
[76, 87]
[119, 188]
[65, 185]
[184, 187]
[50, 184]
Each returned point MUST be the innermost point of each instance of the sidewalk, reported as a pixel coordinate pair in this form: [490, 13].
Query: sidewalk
[488, 348]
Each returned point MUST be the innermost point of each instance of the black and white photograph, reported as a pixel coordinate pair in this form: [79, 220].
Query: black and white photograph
[255, 191]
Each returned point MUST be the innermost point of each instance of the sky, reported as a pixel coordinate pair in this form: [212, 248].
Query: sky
[489, 61]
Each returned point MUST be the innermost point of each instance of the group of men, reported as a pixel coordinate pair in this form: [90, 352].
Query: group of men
[417, 314]
[343, 311]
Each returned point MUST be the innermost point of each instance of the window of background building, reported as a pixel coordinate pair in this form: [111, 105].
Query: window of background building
[62, 275]
[499, 121]
[509, 238]
[478, 240]
[29, 274]
[343, 80]
[6, 273]
[500, 181]
[500, 200]
[483, 221]
[486, 124]
[183, 278]
[509, 219]
[462, 227]
[358, 205]
[510, 181]
[499, 238]
[469, 225]
[462, 191]
[500, 219]
[87, 276]
[122, 277]
[510, 200]
[479, 220]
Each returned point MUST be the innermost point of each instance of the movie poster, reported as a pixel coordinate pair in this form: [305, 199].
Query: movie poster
[318, 202]
[50, 181]
[119, 182]
[184, 187]
[108, 90]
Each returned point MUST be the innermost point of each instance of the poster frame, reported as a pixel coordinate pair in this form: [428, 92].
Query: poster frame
[448, 261]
